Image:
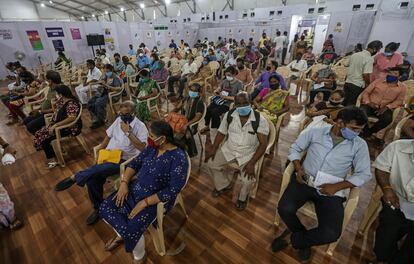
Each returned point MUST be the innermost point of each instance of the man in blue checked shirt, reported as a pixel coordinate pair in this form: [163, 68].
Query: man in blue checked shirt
[142, 60]
[331, 151]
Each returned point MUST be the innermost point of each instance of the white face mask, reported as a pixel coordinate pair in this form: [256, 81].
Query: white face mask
[229, 78]
[58, 97]
[141, 54]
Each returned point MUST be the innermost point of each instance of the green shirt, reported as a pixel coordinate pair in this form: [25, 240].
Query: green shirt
[47, 104]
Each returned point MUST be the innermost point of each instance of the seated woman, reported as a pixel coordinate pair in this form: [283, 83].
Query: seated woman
[192, 108]
[16, 98]
[147, 88]
[324, 82]
[156, 175]
[66, 110]
[160, 73]
[272, 100]
[155, 62]
[309, 57]
[129, 69]
[175, 54]
[407, 131]
[223, 97]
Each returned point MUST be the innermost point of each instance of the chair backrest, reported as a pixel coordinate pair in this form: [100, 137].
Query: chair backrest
[341, 72]
[73, 122]
[397, 133]
[202, 117]
[188, 171]
[284, 71]
[272, 134]
[214, 66]
[410, 90]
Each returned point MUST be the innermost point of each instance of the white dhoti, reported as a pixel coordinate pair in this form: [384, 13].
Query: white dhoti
[83, 92]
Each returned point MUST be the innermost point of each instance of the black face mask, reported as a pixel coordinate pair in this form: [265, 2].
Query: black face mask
[334, 103]
[127, 118]
[240, 67]
[274, 86]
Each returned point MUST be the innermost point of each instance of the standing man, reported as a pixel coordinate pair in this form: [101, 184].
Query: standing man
[359, 71]
[246, 132]
[94, 75]
[332, 152]
[279, 41]
[285, 47]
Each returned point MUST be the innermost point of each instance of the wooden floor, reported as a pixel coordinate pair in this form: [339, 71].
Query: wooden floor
[215, 232]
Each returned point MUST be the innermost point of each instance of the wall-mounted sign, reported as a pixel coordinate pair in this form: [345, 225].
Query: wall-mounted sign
[58, 45]
[34, 39]
[54, 32]
[6, 33]
[75, 32]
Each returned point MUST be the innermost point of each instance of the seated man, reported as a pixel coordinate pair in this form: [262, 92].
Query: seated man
[119, 65]
[203, 72]
[188, 69]
[394, 173]
[297, 67]
[332, 152]
[128, 134]
[380, 98]
[94, 75]
[263, 80]
[142, 60]
[246, 132]
[243, 73]
[97, 104]
[36, 120]
[324, 82]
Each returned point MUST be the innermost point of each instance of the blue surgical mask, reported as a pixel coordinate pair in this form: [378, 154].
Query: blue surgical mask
[205, 62]
[108, 74]
[391, 78]
[244, 110]
[348, 133]
[193, 94]
[388, 54]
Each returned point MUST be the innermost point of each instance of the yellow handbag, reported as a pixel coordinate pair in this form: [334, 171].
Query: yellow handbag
[112, 156]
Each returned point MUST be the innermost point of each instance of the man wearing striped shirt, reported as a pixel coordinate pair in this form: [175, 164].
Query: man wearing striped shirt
[246, 131]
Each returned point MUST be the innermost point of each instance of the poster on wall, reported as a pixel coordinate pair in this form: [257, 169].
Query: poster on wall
[75, 32]
[58, 45]
[6, 33]
[108, 38]
[149, 35]
[34, 39]
[54, 32]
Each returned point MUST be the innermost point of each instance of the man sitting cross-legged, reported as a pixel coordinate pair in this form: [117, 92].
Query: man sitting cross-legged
[331, 153]
[127, 134]
[246, 142]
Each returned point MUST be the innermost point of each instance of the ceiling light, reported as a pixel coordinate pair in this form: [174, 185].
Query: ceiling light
[50, 2]
[42, 5]
[106, 12]
[82, 17]
[122, 9]
[93, 15]
[167, 2]
[142, 5]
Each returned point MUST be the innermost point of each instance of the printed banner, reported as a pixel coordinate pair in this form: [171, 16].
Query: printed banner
[75, 32]
[34, 39]
[58, 45]
[54, 32]
[6, 33]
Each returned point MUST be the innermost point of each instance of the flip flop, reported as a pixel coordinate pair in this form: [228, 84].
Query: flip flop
[16, 224]
[113, 243]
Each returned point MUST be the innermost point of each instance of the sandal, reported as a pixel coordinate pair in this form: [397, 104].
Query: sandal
[52, 164]
[16, 224]
[113, 243]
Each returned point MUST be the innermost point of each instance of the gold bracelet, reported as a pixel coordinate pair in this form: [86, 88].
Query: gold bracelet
[124, 181]
[387, 187]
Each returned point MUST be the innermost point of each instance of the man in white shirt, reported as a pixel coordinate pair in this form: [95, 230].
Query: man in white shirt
[279, 41]
[128, 134]
[394, 173]
[359, 71]
[94, 75]
[298, 66]
[246, 142]
[232, 61]
[189, 68]
[285, 47]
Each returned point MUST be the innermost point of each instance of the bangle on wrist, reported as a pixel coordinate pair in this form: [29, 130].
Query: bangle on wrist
[146, 201]
[124, 181]
[387, 187]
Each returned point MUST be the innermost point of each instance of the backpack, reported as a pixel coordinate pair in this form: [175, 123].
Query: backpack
[255, 124]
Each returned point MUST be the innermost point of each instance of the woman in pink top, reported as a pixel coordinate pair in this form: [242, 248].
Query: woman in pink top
[387, 59]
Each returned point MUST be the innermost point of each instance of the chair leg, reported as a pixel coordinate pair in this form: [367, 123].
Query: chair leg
[57, 148]
[82, 142]
[371, 212]
[180, 201]
[276, 222]
[156, 240]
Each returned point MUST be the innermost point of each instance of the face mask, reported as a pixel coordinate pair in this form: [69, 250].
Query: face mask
[108, 74]
[205, 62]
[274, 86]
[141, 54]
[58, 97]
[244, 110]
[334, 103]
[240, 67]
[127, 118]
[229, 78]
[152, 144]
[143, 79]
[348, 133]
[193, 94]
[391, 78]
[388, 54]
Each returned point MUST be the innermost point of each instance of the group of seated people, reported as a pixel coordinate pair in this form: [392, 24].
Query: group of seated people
[240, 122]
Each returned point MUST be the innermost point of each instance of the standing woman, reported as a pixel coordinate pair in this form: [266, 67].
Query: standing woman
[67, 109]
[301, 46]
[390, 58]
[292, 48]
[161, 172]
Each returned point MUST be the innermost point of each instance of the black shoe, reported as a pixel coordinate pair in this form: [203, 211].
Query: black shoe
[241, 205]
[280, 242]
[64, 184]
[97, 125]
[217, 193]
[92, 218]
[304, 254]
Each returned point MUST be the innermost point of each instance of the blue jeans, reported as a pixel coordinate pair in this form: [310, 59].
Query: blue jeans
[94, 177]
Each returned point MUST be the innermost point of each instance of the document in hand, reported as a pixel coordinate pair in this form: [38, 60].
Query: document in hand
[408, 209]
[322, 178]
